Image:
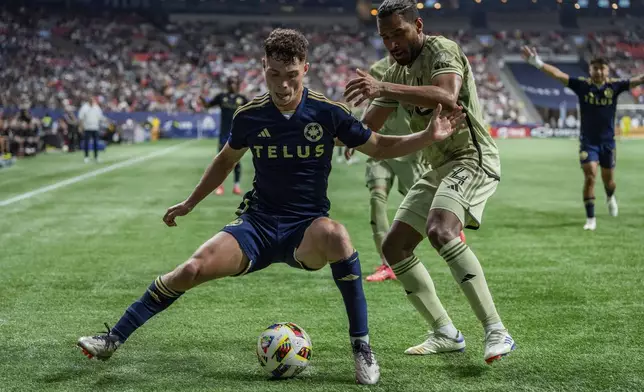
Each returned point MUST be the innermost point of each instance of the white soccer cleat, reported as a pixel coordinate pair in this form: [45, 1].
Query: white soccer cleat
[367, 369]
[498, 343]
[99, 346]
[86, 160]
[437, 343]
[591, 224]
[612, 206]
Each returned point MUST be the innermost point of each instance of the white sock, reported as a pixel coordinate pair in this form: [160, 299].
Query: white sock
[363, 338]
[448, 330]
[492, 327]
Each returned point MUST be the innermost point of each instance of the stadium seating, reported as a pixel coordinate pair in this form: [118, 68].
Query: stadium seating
[50, 60]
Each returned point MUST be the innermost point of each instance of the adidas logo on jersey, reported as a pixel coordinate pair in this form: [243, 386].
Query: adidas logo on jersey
[264, 133]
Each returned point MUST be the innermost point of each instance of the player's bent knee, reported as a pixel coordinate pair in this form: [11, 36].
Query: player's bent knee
[333, 239]
[400, 242]
[440, 234]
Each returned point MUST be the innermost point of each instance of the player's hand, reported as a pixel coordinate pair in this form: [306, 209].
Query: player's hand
[176, 210]
[528, 52]
[348, 153]
[362, 88]
[442, 125]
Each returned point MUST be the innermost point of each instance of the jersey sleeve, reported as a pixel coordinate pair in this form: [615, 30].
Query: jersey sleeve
[576, 84]
[446, 59]
[351, 132]
[216, 101]
[621, 86]
[238, 137]
[388, 77]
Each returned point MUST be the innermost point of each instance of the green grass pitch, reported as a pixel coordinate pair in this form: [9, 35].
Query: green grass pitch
[76, 257]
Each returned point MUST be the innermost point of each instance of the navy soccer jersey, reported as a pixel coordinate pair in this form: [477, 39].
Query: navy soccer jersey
[597, 105]
[229, 103]
[292, 156]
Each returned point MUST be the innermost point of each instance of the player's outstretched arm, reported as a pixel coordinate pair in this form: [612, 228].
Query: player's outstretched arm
[532, 57]
[440, 127]
[636, 81]
[215, 174]
[444, 91]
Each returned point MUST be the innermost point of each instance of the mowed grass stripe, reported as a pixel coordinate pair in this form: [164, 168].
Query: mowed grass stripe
[569, 298]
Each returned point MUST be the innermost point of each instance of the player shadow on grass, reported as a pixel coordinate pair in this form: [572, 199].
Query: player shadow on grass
[461, 365]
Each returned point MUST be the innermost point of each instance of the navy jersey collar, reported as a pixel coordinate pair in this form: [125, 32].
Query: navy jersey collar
[298, 110]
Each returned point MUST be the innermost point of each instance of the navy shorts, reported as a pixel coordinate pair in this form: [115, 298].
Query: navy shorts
[602, 153]
[266, 239]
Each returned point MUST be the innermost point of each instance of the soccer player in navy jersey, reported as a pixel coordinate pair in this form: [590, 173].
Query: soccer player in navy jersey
[291, 133]
[228, 102]
[597, 106]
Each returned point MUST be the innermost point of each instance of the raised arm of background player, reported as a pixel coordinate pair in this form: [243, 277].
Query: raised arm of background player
[216, 101]
[532, 57]
[377, 146]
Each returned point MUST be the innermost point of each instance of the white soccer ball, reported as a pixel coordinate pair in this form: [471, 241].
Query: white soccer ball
[284, 350]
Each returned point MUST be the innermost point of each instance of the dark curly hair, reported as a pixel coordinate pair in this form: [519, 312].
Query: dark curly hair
[405, 8]
[286, 45]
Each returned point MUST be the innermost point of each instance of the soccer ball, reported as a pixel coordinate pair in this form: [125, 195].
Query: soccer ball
[284, 350]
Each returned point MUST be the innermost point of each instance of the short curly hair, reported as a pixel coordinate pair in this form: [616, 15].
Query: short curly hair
[286, 45]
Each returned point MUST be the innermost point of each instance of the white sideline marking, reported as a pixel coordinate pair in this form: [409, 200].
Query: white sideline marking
[83, 177]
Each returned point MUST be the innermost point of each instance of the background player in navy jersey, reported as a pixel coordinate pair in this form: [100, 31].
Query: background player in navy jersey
[597, 105]
[291, 133]
[228, 102]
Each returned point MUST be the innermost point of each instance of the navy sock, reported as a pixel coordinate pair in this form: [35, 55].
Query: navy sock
[237, 172]
[609, 192]
[348, 278]
[590, 207]
[156, 299]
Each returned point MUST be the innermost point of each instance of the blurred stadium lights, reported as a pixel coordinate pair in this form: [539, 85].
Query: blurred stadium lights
[420, 6]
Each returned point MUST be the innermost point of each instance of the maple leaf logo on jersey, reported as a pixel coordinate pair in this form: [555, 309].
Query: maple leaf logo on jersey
[313, 132]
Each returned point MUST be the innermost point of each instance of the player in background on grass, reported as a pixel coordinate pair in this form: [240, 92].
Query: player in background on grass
[228, 102]
[431, 71]
[291, 134]
[597, 107]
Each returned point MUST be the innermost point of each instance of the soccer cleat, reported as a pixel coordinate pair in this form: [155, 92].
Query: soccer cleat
[437, 343]
[367, 369]
[99, 346]
[591, 224]
[86, 160]
[220, 190]
[383, 272]
[237, 189]
[498, 343]
[612, 206]
[462, 235]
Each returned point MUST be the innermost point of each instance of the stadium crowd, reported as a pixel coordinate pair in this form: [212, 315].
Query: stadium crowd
[54, 61]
